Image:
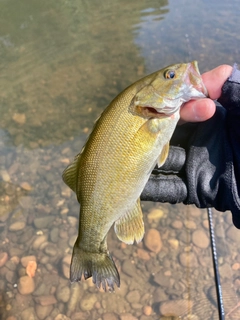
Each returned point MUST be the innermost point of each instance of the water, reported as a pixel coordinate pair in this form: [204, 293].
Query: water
[61, 63]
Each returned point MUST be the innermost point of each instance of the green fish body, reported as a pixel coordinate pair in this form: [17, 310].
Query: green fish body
[130, 137]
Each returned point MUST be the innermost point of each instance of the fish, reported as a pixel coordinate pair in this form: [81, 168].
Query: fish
[108, 176]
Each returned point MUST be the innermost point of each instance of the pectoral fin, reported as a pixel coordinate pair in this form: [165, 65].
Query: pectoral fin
[130, 227]
[163, 156]
[70, 174]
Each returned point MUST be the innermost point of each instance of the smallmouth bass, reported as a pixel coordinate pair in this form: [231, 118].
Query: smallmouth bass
[130, 137]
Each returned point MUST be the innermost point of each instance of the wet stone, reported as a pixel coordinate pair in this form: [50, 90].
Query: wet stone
[43, 222]
[16, 226]
[54, 235]
[109, 316]
[87, 302]
[3, 258]
[43, 311]
[39, 241]
[50, 250]
[177, 224]
[234, 234]
[61, 317]
[133, 296]
[200, 239]
[28, 314]
[25, 260]
[127, 316]
[63, 293]
[188, 259]
[46, 300]
[161, 279]
[26, 285]
[175, 308]
[152, 240]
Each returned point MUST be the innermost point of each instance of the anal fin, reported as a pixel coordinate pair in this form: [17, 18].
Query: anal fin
[130, 227]
[70, 174]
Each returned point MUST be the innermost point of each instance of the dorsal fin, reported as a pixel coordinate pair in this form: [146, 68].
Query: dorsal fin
[70, 174]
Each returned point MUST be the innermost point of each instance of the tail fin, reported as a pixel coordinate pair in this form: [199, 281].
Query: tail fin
[99, 266]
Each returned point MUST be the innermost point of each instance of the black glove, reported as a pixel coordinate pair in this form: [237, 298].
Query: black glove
[203, 166]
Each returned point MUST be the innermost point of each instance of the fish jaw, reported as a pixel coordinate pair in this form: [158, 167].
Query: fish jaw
[186, 85]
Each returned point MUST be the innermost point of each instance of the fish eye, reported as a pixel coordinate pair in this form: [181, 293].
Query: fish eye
[169, 74]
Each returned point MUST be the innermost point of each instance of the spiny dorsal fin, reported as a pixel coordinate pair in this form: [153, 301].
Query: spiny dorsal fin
[70, 174]
[130, 227]
[163, 156]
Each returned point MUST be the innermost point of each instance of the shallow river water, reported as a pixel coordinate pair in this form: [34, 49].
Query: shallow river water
[61, 63]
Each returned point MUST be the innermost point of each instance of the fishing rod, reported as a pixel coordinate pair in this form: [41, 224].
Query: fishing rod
[215, 267]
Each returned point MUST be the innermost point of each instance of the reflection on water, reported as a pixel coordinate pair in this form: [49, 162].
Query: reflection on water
[61, 64]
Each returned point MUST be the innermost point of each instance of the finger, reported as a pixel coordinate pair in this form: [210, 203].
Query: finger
[197, 110]
[214, 80]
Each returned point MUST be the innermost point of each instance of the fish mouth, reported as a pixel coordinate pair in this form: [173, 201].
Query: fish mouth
[151, 112]
[194, 79]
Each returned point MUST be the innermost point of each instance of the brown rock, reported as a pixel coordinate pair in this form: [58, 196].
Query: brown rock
[46, 300]
[19, 118]
[133, 296]
[234, 234]
[175, 308]
[66, 265]
[61, 317]
[188, 259]
[3, 258]
[26, 186]
[109, 316]
[127, 316]
[26, 259]
[26, 285]
[177, 224]
[16, 226]
[43, 311]
[200, 239]
[152, 240]
[143, 254]
[147, 310]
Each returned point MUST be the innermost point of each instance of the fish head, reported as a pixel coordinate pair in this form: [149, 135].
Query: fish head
[168, 89]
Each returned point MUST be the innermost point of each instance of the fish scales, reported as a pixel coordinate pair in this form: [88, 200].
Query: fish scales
[130, 137]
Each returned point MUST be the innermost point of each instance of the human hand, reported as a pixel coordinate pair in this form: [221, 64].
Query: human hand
[203, 109]
[202, 167]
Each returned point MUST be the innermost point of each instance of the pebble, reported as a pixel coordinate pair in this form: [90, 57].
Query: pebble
[5, 176]
[200, 239]
[143, 254]
[190, 224]
[39, 241]
[25, 260]
[16, 226]
[46, 300]
[174, 243]
[133, 296]
[234, 234]
[87, 302]
[26, 186]
[43, 222]
[109, 316]
[155, 214]
[19, 118]
[147, 310]
[127, 316]
[188, 259]
[43, 311]
[63, 293]
[66, 265]
[152, 240]
[26, 285]
[28, 314]
[61, 317]
[175, 308]
[177, 224]
[3, 258]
